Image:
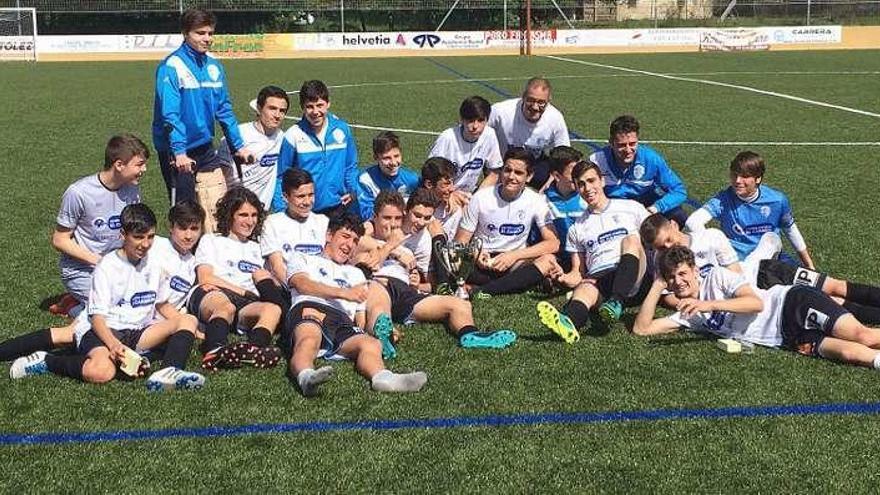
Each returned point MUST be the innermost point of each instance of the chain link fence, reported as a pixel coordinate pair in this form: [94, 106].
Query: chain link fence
[261, 16]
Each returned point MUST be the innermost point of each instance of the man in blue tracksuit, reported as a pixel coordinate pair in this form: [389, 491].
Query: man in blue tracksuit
[190, 95]
[321, 144]
[637, 172]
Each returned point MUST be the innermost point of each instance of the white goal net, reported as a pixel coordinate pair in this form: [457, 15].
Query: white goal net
[18, 34]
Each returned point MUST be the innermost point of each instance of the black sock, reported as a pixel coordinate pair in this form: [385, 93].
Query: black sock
[514, 282]
[260, 336]
[271, 293]
[69, 366]
[466, 330]
[441, 276]
[867, 315]
[216, 332]
[177, 349]
[625, 277]
[862, 293]
[16, 347]
[577, 312]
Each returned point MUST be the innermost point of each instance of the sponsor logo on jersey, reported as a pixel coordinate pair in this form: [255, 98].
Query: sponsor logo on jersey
[705, 269]
[511, 229]
[611, 235]
[815, 320]
[309, 248]
[180, 284]
[269, 160]
[114, 222]
[213, 72]
[761, 228]
[247, 266]
[140, 299]
[475, 164]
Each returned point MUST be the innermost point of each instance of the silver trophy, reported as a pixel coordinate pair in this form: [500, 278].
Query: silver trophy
[459, 260]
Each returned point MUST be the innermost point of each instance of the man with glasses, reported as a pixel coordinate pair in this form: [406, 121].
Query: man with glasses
[533, 123]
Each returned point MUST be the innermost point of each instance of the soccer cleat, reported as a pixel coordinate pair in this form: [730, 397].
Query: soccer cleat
[211, 359]
[239, 354]
[30, 365]
[444, 289]
[557, 322]
[478, 295]
[64, 305]
[497, 339]
[172, 378]
[383, 328]
[610, 311]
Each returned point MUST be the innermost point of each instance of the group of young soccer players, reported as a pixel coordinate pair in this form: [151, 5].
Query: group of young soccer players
[281, 247]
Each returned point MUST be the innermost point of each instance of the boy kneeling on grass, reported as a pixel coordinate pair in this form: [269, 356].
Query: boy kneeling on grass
[798, 318]
[125, 295]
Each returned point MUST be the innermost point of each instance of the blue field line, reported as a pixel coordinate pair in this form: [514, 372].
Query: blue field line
[531, 419]
[504, 94]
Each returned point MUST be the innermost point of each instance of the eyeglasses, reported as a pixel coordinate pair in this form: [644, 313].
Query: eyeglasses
[539, 103]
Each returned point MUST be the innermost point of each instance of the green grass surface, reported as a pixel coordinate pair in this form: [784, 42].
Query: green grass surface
[57, 118]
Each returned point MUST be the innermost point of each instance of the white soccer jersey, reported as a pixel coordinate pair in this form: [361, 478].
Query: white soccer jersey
[286, 235]
[598, 234]
[259, 176]
[233, 261]
[502, 225]
[470, 158]
[123, 293]
[512, 129]
[178, 272]
[764, 328]
[711, 248]
[449, 219]
[326, 271]
[419, 245]
[92, 212]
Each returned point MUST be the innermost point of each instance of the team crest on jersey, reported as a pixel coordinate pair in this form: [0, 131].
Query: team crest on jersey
[491, 227]
[99, 222]
[338, 136]
[139, 299]
[213, 72]
[639, 171]
[286, 247]
[247, 266]
[322, 271]
[765, 210]
[521, 214]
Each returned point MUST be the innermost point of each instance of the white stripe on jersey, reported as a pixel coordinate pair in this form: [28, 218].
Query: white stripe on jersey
[470, 159]
[327, 272]
[259, 176]
[284, 234]
[598, 234]
[502, 225]
[233, 261]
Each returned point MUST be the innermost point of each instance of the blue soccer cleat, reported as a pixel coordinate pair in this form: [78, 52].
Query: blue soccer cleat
[383, 328]
[30, 365]
[610, 311]
[497, 339]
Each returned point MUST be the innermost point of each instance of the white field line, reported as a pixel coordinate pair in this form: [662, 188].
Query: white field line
[717, 83]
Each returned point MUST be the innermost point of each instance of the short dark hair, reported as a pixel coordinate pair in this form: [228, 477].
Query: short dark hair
[271, 92]
[561, 156]
[651, 226]
[313, 90]
[422, 197]
[192, 19]
[521, 154]
[137, 218]
[582, 167]
[231, 202]
[623, 125]
[185, 213]
[384, 142]
[474, 108]
[748, 164]
[437, 168]
[124, 147]
[295, 177]
[346, 221]
[388, 197]
[669, 259]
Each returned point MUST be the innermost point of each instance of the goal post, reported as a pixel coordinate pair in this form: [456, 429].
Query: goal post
[18, 33]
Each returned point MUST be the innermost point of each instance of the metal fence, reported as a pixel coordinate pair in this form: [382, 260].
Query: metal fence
[244, 16]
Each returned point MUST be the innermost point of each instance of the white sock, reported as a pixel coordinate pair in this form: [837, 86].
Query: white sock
[310, 379]
[386, 381]
[877, 361]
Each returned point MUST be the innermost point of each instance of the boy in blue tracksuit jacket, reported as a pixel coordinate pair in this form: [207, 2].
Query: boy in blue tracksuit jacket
[386, 174]
[322, 144]
[635, 171]
[190, 95]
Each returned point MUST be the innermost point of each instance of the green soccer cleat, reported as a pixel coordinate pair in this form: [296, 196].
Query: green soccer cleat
[557, 322]
[497, 339]
[383, 328]
[610, 311]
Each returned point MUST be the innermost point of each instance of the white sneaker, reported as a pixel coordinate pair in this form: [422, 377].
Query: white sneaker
[30, 365]
[172, 378]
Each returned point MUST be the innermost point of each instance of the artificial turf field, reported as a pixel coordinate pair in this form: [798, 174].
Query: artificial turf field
[57, 118]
